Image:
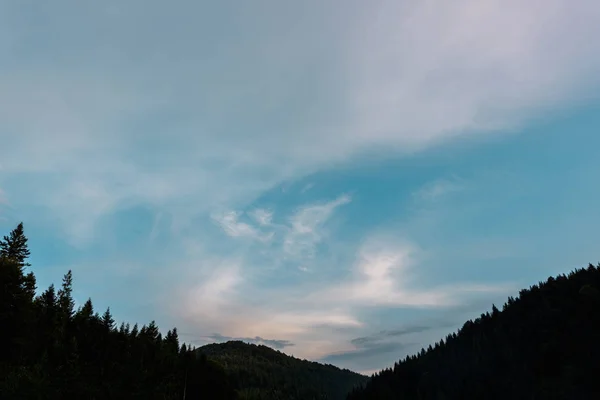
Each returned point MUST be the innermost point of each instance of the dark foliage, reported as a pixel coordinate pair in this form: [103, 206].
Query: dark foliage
[545, 344]
[264, 374]
[51, 350]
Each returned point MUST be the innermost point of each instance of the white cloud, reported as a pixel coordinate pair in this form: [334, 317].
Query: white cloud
[230, 224]
[386, 274]
[216, 292]
[306, 227]
[262, 216]
[399, 74]
[101, 111]
[320, 316]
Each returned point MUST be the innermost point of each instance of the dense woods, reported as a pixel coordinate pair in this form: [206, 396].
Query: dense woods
[263, 373]
[545, 344]
[53, 350]
[50, 350]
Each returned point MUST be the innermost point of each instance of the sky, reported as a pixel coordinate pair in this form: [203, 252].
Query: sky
[344, 181]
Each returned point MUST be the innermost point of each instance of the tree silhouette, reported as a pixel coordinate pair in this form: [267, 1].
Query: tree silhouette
[542, 345]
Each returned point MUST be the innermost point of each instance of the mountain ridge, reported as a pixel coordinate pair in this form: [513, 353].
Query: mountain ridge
[542, 344]
[264, 373]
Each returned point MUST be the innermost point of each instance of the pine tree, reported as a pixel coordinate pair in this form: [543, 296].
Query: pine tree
[87, 311]
[107, 320]
[65, 296]
[14, 246]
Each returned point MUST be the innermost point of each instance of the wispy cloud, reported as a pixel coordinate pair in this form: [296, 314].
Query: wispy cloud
[438, 188]
[387, 274]
[84, 132]
[369, 341]
[376, 339]
[217, 292]
[305, 230]
[262, 216]
[363, 358]
[229, 222]
[307, 187]
[103, 113]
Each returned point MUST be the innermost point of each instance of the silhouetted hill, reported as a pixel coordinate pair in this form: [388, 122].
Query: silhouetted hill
[545, 344]
[51, 350]
[263, 373]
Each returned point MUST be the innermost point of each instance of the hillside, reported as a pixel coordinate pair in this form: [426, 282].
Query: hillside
[54, 350]
[263, 373]
[542, 345]
[545, 344]
[51, 350]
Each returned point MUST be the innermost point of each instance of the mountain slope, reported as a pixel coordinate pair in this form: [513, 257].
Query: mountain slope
[263, 373]
[51, 350]
[543, 345]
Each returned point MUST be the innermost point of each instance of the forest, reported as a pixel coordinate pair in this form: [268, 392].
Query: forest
[263, 373]
[52, 349]
[543, 344]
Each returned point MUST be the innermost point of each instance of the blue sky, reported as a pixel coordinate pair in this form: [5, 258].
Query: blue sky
[346, 181]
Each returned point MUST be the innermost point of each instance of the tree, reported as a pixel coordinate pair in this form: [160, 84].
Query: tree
[65, 296]
[107, 320]
[172, 341]
[87, 311]
[49, 352]
[14, 246]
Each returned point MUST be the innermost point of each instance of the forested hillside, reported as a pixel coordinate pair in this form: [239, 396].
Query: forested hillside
[545, 344]
[263, 373]
[50, 350]
[53, 350]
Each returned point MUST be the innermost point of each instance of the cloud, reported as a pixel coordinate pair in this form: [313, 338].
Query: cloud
[368, 360]
[438, 188]
[307, 187]
[387, 274]
[305, 230]
[354, 355]
[262, 216]
[319, 316]
[273, 343]
[382, 276]
[386, 347]
[229, 222]
[399, 75]
[369, 341]
[102, 112]
[394, 335]
[217, 293]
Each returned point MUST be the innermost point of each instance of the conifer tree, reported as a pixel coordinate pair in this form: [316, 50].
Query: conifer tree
[14, 246]
[65, 296]
[107, 320]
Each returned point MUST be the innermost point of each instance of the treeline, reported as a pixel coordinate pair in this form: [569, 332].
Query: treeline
[262, 373]
[50, 350]
[545, 344]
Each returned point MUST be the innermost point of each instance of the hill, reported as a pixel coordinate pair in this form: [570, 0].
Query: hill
[52, 350]
[263, 373]
[545, 344]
